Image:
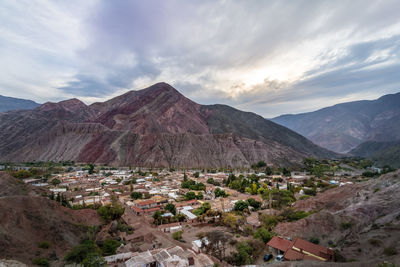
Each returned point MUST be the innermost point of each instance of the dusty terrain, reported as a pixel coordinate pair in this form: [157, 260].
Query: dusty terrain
[28, 218]
[361, 221]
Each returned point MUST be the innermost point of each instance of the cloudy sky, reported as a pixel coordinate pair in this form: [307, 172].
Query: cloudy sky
[269, 57]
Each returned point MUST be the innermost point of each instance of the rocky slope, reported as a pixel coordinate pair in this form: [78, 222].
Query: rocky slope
[342, 127]
[11, 103]
[28, 218]
[359, 220]
[156, 127]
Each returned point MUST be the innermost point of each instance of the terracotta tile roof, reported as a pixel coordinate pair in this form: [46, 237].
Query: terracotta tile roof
[293, 255]
[314, 249]
[152, 209]
[145, 202]
[136, 209]
[280, 243]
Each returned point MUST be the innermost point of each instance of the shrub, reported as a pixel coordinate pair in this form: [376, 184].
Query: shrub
[375, 242]
[314, 240]
[241, 205]
[44, 244]
[41, 262]
[390, 251]
[136, 195]
[111, 212]
[87, 253]
[177, 235]
[346, 225]
[263, 234]
[110, 247]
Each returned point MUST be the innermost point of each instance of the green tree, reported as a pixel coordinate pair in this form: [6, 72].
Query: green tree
[136, 195]
[171, 208]
[110, 247]
[263, 234]
[177, 235]
[55, 182]
[87, 254]
[241, 205]
[196, 175]
[111, 212]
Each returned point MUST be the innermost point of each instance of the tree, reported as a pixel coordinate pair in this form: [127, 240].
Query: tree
[91, 168]
[263, 234]
[220, 193]
[190, 195]
[86, 253]
[210, 181]
[171, 208]
[254, 203]
[196, 175]
[217, 243]
[136, 195]
[199, 195]
[268, 170]
[55, 182]
[177, 235]
[111, 212]
[157, 217]
[241, 205]
[110, 247]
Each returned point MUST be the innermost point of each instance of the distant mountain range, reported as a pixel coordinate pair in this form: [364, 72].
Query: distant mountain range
[361, 128]
[11, 103]
[154, 127]
[342, 127]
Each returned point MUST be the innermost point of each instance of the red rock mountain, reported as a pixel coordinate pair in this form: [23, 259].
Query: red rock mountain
[156, 127]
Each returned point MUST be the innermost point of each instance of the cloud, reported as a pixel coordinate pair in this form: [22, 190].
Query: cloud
[269, 57]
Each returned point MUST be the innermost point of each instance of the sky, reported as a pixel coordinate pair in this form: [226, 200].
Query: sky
[268, 57]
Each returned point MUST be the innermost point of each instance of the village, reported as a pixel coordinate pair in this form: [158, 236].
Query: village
[198, 217]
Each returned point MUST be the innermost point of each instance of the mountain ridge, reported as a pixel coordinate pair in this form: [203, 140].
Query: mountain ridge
[344, 126]
[156, 126]
[8, 103]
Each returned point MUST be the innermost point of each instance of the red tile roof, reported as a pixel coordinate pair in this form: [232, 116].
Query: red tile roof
[152, 209]
[280, 243]
[293, 255]
[145, 202]
[314, 249]
[136, 209]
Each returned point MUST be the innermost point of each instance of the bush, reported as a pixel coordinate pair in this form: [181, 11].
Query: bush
[41, 262]
[111, 212]
[314, 240]
[375, 242]
[136, 195]
[241, 205]
[346, 225]
[177, 235]
[87, 253]
[263, 234]
[44, 244]
[110, 247]
[291, 215]
[390, 251]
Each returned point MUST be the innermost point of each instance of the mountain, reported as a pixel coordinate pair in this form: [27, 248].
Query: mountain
[342, 127]
[154, 127]
[29, 218]
[383, 153]
[11, 103]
